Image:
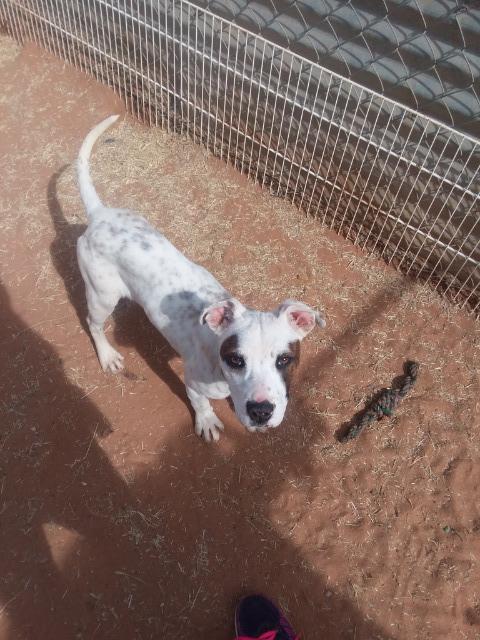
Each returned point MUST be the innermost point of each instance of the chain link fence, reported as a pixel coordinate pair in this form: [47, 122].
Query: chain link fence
[423, 54]
[300, 99]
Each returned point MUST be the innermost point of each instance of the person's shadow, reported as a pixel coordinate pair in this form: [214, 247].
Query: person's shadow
[55, 480]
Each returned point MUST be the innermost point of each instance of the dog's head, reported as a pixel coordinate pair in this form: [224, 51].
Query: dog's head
[258, 354]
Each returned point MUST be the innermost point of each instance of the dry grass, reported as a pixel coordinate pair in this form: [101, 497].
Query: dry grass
[9, 50]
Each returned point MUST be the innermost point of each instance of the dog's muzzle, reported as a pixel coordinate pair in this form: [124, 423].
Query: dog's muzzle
[260, 412]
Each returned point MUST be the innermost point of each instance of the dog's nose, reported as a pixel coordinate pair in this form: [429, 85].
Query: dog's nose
[260, 412]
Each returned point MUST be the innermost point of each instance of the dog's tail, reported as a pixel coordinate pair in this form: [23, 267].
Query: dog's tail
[87, 190]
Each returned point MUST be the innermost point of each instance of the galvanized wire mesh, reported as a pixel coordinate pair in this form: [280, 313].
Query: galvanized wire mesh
[389, 178]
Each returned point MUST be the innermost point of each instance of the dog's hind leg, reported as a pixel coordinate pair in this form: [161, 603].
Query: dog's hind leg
[98, 311]
[103, 291]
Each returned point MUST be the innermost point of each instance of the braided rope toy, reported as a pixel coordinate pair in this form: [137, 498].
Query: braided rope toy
[385, 404]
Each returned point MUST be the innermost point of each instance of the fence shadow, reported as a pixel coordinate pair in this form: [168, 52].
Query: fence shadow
[380, 304]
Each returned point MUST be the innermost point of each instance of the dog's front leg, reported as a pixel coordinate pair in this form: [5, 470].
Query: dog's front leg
[206, 422]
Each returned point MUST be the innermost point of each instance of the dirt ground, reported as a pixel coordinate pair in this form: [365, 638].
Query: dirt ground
[116, 521]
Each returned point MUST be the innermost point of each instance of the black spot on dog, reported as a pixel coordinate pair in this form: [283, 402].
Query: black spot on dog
[146, 246]
[229, 345]
[101, 246]
[193, 314]
[288, 371]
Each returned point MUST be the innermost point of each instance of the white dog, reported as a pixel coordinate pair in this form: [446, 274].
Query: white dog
[228, 349]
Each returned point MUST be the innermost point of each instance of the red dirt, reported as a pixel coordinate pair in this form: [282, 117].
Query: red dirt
[116, 521]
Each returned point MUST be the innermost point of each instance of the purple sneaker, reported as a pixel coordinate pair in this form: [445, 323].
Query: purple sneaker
[257, 618]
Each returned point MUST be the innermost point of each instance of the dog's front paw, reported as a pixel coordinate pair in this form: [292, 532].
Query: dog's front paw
[208, 426]
[111, 360]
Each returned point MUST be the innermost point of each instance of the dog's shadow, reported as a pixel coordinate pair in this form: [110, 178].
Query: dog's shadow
[132, 328]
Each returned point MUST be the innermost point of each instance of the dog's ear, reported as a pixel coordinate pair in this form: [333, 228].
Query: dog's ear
[300, 317]
[219, 316]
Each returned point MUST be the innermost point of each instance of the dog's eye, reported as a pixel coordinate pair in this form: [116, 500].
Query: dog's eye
[235, 361]
[283, 361]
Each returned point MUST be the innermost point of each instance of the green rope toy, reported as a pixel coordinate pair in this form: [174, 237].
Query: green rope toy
[385, 404]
